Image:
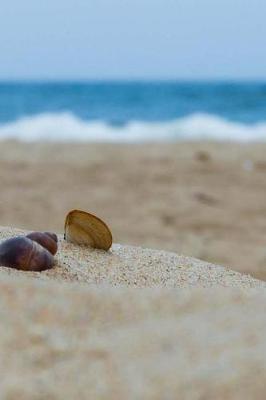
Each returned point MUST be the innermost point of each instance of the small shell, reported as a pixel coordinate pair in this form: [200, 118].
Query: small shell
[25, 254]
[52, 235]
[46, 239]
[84, 228]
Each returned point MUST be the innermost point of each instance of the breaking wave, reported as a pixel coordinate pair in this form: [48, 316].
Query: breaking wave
[68, 127]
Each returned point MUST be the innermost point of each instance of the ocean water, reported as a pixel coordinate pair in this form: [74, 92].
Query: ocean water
[133, 111]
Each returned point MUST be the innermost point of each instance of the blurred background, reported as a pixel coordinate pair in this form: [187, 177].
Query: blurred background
[150, 114]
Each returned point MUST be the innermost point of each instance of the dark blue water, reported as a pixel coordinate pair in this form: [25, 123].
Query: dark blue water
[118, 103]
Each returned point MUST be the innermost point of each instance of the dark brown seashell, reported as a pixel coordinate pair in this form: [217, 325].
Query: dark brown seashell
[25, 254]
[47, 240]
[52, 235]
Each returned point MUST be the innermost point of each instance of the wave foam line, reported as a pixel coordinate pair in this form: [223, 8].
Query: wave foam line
[68, 127]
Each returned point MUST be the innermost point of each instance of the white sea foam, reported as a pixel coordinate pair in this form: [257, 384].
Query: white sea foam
[67, 127]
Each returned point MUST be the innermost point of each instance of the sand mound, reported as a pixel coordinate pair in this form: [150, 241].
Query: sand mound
[97, 338]
[134, 266]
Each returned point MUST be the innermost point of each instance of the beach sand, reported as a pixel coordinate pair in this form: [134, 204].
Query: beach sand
[131, 323]
[205, 200]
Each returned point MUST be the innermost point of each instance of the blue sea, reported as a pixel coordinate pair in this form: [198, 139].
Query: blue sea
[133, 111]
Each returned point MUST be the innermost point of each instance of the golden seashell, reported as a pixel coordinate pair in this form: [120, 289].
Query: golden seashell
[84, 228]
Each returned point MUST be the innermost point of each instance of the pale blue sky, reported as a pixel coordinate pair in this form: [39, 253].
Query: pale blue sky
[133, 39]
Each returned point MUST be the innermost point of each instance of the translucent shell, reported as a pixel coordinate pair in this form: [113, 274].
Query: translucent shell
[87, 229]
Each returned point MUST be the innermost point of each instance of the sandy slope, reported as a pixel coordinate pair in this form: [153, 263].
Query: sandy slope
[134, 266]
[205, 200]
[120, 325]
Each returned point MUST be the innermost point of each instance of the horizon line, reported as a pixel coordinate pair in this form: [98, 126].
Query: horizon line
[132, 80]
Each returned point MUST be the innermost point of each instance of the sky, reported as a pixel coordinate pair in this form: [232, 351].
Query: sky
[132, 39]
